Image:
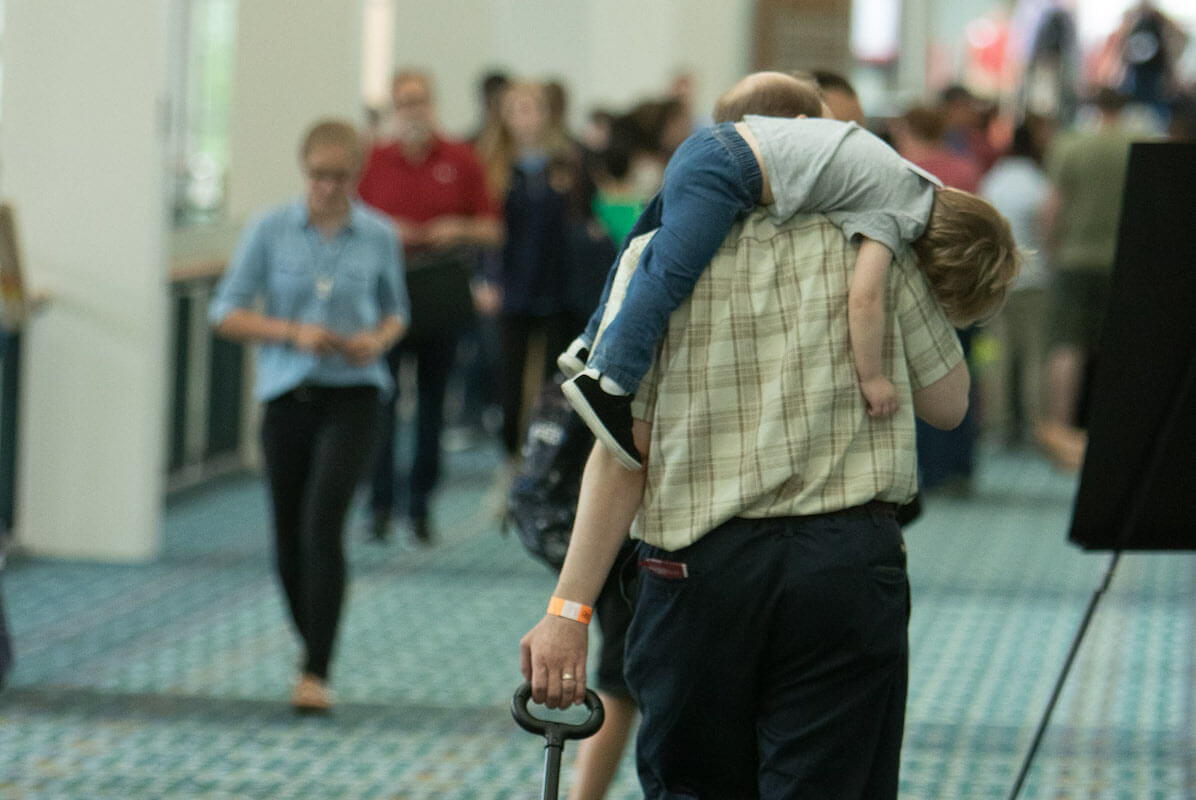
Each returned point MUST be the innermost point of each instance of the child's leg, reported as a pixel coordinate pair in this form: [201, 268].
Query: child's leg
[649, 220]
[712, 179]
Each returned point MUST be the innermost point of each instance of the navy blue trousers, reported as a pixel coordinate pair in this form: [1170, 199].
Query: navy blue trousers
[778, 668]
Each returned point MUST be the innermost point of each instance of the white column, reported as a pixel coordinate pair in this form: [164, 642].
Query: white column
[82, 148]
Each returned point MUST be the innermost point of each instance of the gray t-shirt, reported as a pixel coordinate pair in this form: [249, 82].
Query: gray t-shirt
[847, 173]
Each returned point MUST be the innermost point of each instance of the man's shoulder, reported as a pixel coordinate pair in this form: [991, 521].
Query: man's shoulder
[760, 224]
[804, 233]
[455, 150]
[381, 152]
[785, 242]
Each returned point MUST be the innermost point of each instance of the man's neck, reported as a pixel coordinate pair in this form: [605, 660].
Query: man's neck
[417, 152]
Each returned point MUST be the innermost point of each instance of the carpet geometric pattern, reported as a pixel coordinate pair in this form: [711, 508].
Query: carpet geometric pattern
[171, 679]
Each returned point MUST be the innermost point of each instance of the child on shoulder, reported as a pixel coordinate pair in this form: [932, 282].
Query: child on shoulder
[771, 147]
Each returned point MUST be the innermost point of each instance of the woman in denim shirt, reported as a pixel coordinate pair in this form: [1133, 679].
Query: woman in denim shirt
[317, 284]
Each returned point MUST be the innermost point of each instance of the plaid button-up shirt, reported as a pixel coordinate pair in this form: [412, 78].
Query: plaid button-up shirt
[755, 406]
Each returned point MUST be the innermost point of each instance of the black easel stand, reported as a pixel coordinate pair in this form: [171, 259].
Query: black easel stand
[1173, 421]
[1134, 492]
[1071, 657]
[1152, 474]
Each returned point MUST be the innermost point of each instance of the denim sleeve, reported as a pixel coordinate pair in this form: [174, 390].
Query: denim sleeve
[245, 278]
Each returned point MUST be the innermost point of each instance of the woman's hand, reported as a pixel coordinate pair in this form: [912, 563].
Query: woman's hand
[315, 339]
[363, 348]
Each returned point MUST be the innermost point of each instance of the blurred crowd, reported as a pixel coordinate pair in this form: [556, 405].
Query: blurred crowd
[1051, 159]
[567, 199]
[431, 279]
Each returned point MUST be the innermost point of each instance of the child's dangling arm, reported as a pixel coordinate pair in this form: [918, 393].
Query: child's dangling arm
[866, 321]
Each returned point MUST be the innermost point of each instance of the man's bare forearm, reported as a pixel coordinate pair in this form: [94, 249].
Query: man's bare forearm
[610, 498]
[553, 653]
[487, 231]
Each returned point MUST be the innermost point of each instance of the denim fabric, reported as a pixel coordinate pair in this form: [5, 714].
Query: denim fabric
[712, 179]
[778, 668]
[285, 260]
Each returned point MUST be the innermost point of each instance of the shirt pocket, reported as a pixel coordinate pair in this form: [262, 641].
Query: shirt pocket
[292, 275]
[360, 264]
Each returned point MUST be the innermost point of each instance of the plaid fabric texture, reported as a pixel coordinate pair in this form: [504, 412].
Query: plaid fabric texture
[753, 398]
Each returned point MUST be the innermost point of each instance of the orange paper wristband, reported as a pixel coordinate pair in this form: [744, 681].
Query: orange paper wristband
[570, 610]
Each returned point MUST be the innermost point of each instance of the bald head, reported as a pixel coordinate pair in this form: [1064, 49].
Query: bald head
[769, 94]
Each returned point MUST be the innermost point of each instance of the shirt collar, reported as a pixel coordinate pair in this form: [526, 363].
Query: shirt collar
[303, 219]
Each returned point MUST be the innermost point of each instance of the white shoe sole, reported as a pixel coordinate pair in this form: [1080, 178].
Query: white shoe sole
[586, 412]
[570, 365]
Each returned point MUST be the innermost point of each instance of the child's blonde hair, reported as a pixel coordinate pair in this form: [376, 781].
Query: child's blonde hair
[968, 255]
[770, 94]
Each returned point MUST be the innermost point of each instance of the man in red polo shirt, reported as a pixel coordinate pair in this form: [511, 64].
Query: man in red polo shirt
[435, 191]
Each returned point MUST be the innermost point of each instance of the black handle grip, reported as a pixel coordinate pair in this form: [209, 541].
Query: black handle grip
[558, 731]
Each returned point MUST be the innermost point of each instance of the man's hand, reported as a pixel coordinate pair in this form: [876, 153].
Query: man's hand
[362, 348]
[881, 395]
[487, 299]
[315, 339]
[446, 231]
[411, 234]
[553, 660]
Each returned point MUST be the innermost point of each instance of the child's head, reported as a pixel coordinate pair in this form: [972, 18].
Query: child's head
[968, 255]
[769, 94]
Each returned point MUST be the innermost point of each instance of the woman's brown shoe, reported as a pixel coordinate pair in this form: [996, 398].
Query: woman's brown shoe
[311, 695]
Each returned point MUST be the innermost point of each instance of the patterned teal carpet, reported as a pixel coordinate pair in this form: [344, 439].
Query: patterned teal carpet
[170, 680]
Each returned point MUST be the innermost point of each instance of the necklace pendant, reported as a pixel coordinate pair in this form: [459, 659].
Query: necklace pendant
[324, 287]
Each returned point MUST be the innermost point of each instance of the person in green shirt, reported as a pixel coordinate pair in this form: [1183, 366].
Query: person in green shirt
[1080, 220]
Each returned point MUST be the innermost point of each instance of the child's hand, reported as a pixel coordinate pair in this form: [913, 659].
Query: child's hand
[881, 396]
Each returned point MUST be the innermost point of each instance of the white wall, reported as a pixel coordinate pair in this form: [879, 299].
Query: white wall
[82, 148]
[297, 60]
[607, 52]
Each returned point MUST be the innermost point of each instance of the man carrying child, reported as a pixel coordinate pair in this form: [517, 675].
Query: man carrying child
[768, 651]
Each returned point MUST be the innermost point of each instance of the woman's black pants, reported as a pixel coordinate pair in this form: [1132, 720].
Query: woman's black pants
[316, 441]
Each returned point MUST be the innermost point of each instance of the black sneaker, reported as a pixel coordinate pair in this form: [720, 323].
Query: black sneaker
[573, 360]
[607, 415]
